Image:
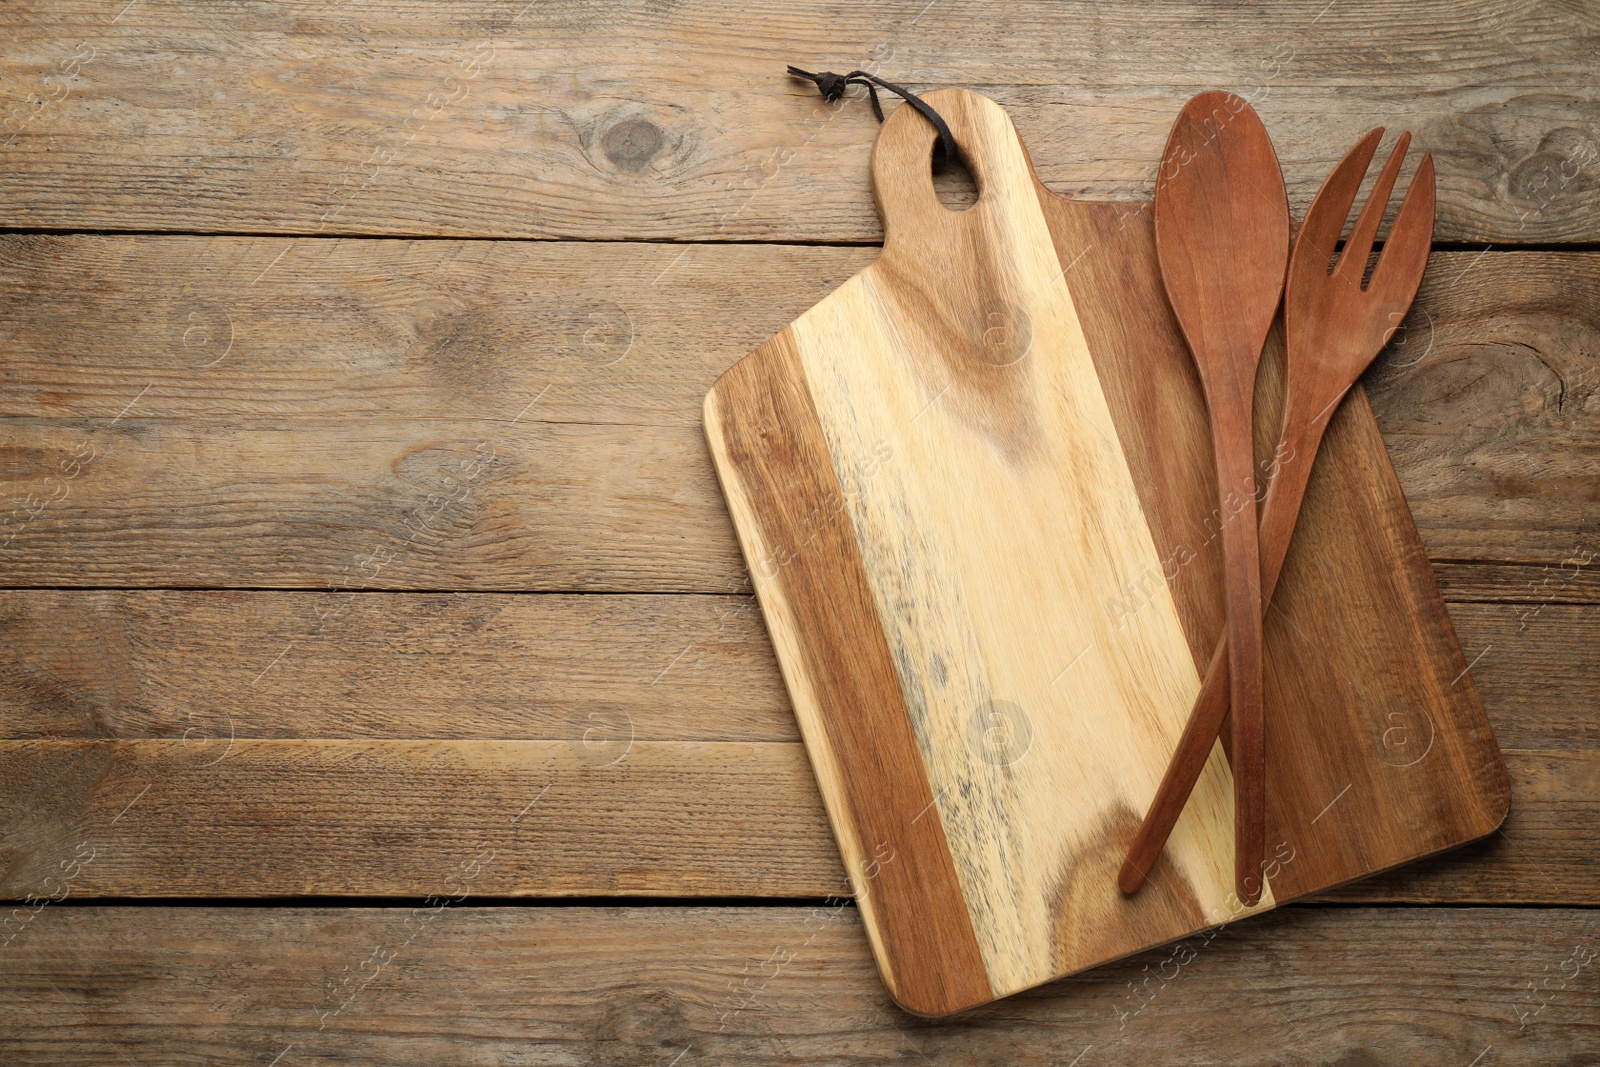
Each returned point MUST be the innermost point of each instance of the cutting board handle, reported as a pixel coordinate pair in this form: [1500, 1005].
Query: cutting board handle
[902, 163]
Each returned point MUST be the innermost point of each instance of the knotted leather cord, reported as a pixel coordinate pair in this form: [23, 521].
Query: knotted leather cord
[832, 87]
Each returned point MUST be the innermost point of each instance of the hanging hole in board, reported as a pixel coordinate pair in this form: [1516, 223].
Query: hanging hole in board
[954, 184]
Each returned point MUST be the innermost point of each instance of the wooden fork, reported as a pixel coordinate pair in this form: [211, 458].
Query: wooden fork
[1335, 327]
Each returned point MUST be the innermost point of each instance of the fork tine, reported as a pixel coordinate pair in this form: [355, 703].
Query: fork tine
[1324, 221]
[1353, 260]
[1405, 252]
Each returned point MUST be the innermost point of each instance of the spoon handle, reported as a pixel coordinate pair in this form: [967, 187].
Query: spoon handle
[1231, 440]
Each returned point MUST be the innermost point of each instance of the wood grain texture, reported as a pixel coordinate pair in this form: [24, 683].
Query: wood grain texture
[1570, 581]
[635, 120]
[670, 120]
[373, 351]
[1539, 687]
[619, 987]
[237, 328]
[372, 504]
[971, 481]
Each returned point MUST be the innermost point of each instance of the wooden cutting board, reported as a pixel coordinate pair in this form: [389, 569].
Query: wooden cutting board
[972, 486]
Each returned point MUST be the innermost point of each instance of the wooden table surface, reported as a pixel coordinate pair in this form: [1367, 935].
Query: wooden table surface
[380, 682]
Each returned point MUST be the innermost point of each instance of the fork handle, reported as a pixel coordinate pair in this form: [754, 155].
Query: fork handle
[1298, 444]
[1297, 449]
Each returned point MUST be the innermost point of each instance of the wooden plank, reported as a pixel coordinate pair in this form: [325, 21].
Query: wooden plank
[503, 120]
[414, 665]
[1491, 413]
[619, 332]
[369, 504]
[352, 360]
[186, 987]
[152, 664]
[1569, 581]
[223, 327]
[197, 817]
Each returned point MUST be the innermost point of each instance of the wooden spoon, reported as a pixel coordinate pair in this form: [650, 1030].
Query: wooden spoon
[1222, 238]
